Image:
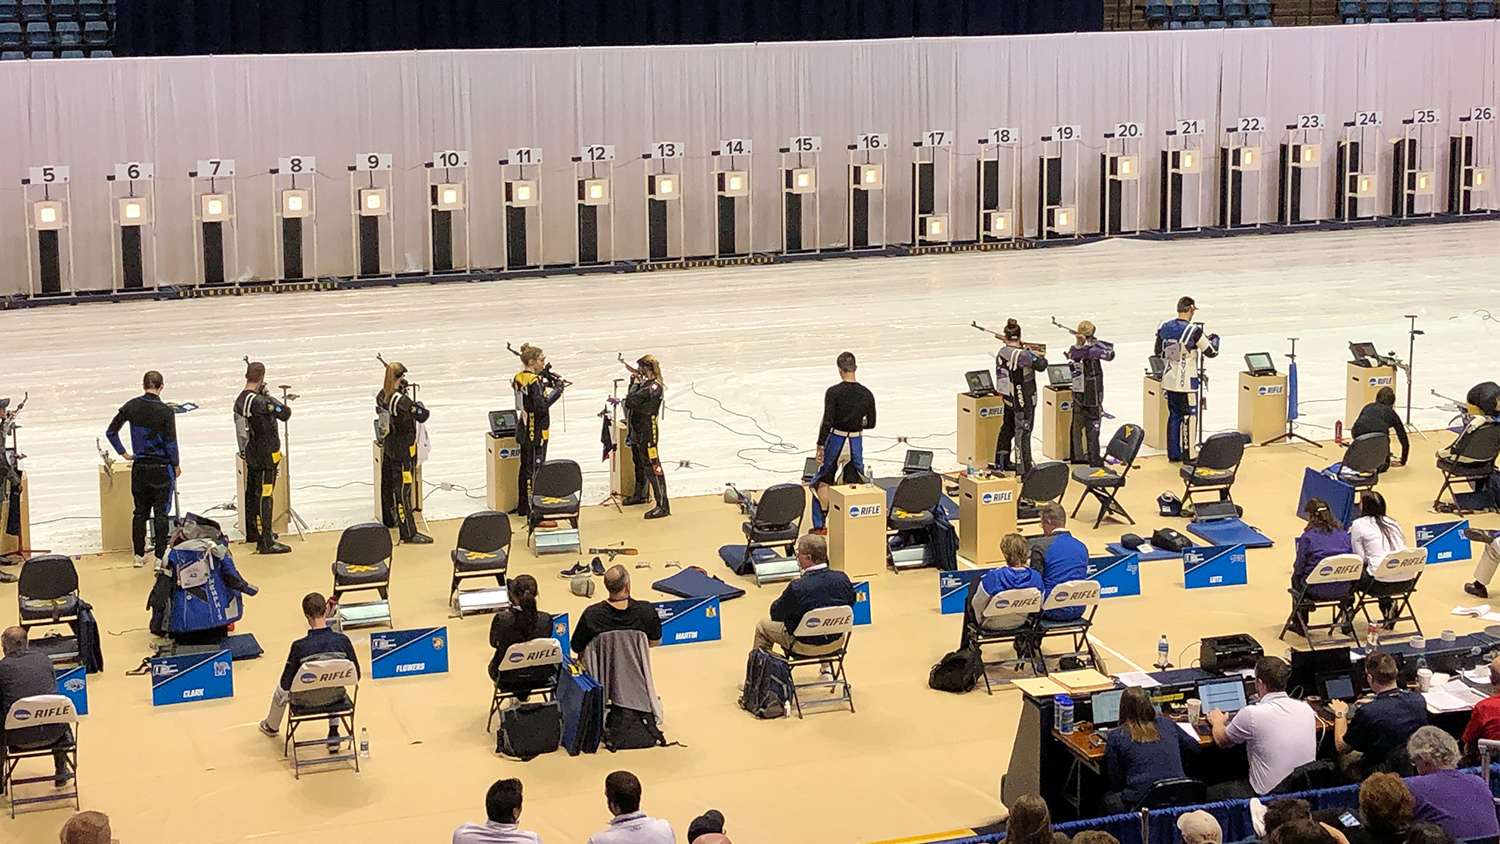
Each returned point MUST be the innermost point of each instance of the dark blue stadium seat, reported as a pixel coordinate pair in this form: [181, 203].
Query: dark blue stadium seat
[1260, 10]
[11, 55]
[1210, 10]
[68, 34]
[64, 10]
[39, 33]
[1351, 8]
[10, 34]
[1174, 24]
[1183, 10]
[96, 32]
[1233, 9]
[101, 54]
[1456, 10]
[43, 54]
[1484, 9]
[1194, 24]
[1156, 11]
[72, 54]
[1403, 8]
[9, 12]
[1430, 8]
[1377, 8]
[1240, 23]
[91, 10]
[1261, 22]
[1218, 24]
[34, 10]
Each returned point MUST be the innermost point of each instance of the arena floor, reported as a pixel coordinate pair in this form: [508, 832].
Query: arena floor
[911, 761]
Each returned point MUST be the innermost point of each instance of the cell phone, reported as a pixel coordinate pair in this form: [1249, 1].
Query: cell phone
[1349, 821]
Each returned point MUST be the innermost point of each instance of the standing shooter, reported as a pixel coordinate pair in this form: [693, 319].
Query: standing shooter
[257, 418]
[642, 407]
[154, 467]
[848, 411]
[537, 388]
[1085, 359]
[1016, 367]
[399, 414]
[1179, 342]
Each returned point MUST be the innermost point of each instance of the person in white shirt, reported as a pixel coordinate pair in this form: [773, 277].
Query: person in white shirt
[502, 804]
[622, 791]
[1280, 733]
[1374, 535]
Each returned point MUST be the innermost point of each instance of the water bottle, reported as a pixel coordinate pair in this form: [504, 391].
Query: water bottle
[1064, 706]
[1372, 636]
[1163, 652]
[364, 742]
[970, 465]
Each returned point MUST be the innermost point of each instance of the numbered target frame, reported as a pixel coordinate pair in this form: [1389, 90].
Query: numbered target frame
[522, 221]
[931, 196]
[800, 172]
[1242, 173]
[1471, 157]
[665, 166]
[997, 191]
[1299, 172]
[215, 203]
[132, 215]
[1059, 174]
[47, 200]
[372, 186]
[1183, 188]
[865, 180]
[593, 173]
[447, 195]
[1120, 192]
[733, 163]
[1414, 190]
[1356, 179]
[294, 209]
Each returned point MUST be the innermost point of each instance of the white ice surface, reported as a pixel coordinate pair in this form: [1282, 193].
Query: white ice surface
[761, 339]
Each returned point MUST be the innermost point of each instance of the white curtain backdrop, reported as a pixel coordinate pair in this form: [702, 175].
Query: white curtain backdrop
[90, 114]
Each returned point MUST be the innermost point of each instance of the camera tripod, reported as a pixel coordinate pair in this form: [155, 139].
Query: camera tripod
[290, 513]
[1291, 408]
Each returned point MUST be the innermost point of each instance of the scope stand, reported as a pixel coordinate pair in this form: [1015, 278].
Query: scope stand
[1291, 424]
[290, 513]
[610, 414]
[1411, 350]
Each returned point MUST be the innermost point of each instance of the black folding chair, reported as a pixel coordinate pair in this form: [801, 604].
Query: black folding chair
[1339, 568]
[1045, 483]
[775, 520]
[1215, 467]
[1178, 791]
[556, 493]
[363, 563]
[912, 506]
[47, 592]
[1365, 458]
[1471, 460]
[483, 548]
[1104, 483]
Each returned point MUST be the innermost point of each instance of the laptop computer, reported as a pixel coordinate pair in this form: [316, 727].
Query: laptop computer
[1364, 354]
[502, 423]
[1060, 375]
[1106, 707]
[917, 461]
[1227, 696]
[981, 383]
[1339, 687]
[810, 468]
[1156, 367]
[1260, 363]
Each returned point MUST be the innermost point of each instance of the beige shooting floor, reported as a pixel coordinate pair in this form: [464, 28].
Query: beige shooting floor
[911, 761]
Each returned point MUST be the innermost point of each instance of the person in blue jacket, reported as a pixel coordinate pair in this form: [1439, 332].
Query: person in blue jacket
[1066, 559]
[1017, 573]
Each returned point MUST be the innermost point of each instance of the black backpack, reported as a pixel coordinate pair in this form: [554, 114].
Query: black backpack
[768, 685]
[1168, 539]
[631, 729]
[529, 730]
[957, 672]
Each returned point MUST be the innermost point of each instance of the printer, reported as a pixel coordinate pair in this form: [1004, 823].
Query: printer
[1222, 654]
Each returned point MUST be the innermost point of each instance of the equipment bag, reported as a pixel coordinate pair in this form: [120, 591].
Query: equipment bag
[631, 729]
[529, 730]
[768, 685]
[1168, 504]
[957, 672]
[1168, 539]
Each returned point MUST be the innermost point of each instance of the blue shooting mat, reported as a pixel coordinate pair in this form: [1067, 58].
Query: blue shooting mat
[733, 554]
[1119, 550]
[694, 583]
[1230, 532]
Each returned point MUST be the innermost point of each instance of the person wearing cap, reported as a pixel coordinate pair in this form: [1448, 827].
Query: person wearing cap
[1179, 342]
[707, 828]
[642, 407]
[1199, 827]
[1085, 360]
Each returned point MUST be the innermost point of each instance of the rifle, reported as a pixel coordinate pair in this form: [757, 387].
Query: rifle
[1039, 349]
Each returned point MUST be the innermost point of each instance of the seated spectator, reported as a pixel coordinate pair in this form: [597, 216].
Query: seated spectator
[1095, 836]
[1279, 812]
[1426, 833]
[1483, 402]
[1374, 535]
[1322, 538]
[1385, 807]
[1484, 720]
[1279, 733]
[1146, 748]
[1199, 827]
[23, 673]
[622, 793]
[319, 643]
[1455, 800]
[502, 805]
[522, 622]
[1379, 417]
[1305, 831]
[707, 828]
[1380, 727]
[617, 612]
[1030, 822]
[1065, 559]
[1017, 573]
[817, 588]
[86, 828]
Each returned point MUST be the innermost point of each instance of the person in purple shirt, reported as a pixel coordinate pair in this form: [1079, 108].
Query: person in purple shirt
[1324, 537]
[1457, 801]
